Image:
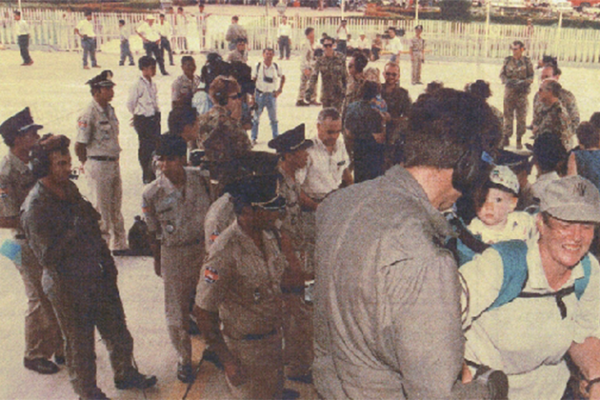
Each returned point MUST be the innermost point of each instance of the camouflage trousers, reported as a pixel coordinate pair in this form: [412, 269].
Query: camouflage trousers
[43, 337]
[514, 104]
[180, 270]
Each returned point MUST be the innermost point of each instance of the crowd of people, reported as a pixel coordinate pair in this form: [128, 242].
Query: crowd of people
[405, 251]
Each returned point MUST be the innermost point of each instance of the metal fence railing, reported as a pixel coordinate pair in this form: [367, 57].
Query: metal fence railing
[445, 39]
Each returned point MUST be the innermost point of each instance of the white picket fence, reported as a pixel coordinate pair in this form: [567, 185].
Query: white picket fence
[445, 39]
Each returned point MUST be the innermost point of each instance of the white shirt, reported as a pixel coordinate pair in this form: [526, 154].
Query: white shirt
[323, 172]
[143, 98]
[342, 33]
[363, 43]
[527, 337]
[261, 71]
[150, 33]
[165, 29]
[86, 28]
[395, 45]
[520, 225]
[284, 30]
[21, 27]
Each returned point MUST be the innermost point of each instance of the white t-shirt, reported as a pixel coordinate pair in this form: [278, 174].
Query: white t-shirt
[395, 45]
[520, 225]
[86, 28]
[284, 30]
[261, 73]
[150, 33]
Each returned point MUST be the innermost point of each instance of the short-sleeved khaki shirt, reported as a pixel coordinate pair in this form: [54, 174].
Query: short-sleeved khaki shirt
[177, 214]
[98, 129]
[16, 180]
[242, 284]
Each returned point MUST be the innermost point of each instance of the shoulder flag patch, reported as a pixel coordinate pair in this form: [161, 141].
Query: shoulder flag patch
[211, 275]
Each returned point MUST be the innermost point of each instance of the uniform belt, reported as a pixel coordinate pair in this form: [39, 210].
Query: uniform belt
[293, 290]
[103, 158]
[261, 92]
[259, 337]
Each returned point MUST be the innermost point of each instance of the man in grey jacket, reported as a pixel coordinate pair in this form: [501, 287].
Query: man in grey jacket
[387, 309]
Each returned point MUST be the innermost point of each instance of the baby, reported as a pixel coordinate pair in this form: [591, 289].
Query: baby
[495, 204]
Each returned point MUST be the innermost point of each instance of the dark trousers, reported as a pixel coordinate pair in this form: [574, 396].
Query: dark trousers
[341, 47]
[148, 130]
[24, 46]
[284, 46]
[165, 44]
[375, 51]
[126, 52]
[152, 49]
[89, 47]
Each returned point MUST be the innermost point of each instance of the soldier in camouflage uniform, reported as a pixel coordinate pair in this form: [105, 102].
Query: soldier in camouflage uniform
[553, 116]
[306, 67]
[297, 316]
[334, 76]
[356, 79]
[220, 131]
[567, 99]
[517, 76]
[42, 333]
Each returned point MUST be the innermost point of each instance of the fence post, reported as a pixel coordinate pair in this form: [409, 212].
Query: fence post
[558, 29]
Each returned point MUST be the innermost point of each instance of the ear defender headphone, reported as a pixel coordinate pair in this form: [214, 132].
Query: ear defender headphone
[40, 161]
[222, 96]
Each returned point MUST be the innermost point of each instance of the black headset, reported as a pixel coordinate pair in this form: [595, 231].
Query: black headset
[40, 160]
[222, 96]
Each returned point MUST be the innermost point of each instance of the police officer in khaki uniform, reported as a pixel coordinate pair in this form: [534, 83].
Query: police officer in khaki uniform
[334, 76]
[517, 76]
[417, 55]
[174, 206]
[297, 316]
[239, 302]
[42, 333]
[97, 147]
[80, 275]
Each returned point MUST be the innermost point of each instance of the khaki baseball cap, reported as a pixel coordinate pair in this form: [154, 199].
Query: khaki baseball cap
[573, 199]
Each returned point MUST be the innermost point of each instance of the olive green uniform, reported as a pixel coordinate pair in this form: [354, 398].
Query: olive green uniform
[517, 76]
[177, 216]
[42, 333]
[242, 284]
[417, 46]
[569, 103]
[80, 279]
[554, 119]
[229, 142]
[334, 77]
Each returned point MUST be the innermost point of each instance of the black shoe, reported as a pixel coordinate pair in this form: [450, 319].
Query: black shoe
[59, 360]
[121, 252]
[95, 394]
[308, 379]
[212, 357]
[41, 366]
[185, 373]
[165, 73]
[121, 64]
[289, 394]
[302, 103]
[136, 380]
[132, 64]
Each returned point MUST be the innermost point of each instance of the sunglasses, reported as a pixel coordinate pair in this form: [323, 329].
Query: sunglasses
[390, 74]
[328, 45]
[236, 96]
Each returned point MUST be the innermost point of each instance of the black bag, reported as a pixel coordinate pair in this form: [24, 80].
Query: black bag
[138, 238]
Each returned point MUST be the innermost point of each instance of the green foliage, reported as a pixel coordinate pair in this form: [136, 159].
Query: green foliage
[455, 10]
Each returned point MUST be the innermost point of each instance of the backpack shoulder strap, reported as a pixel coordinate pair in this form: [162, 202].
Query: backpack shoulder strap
[514, 260]
[581, 284]
[258, 68]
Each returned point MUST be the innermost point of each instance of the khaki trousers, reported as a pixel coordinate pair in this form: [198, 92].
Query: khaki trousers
[106, 193]
[262, 364]
[43, 337]
[417, 65]
[180, 269]
[298, 335]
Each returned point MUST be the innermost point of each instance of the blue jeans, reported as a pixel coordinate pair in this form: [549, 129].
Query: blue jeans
[265, 99]
[89, 47]
[126, 52]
